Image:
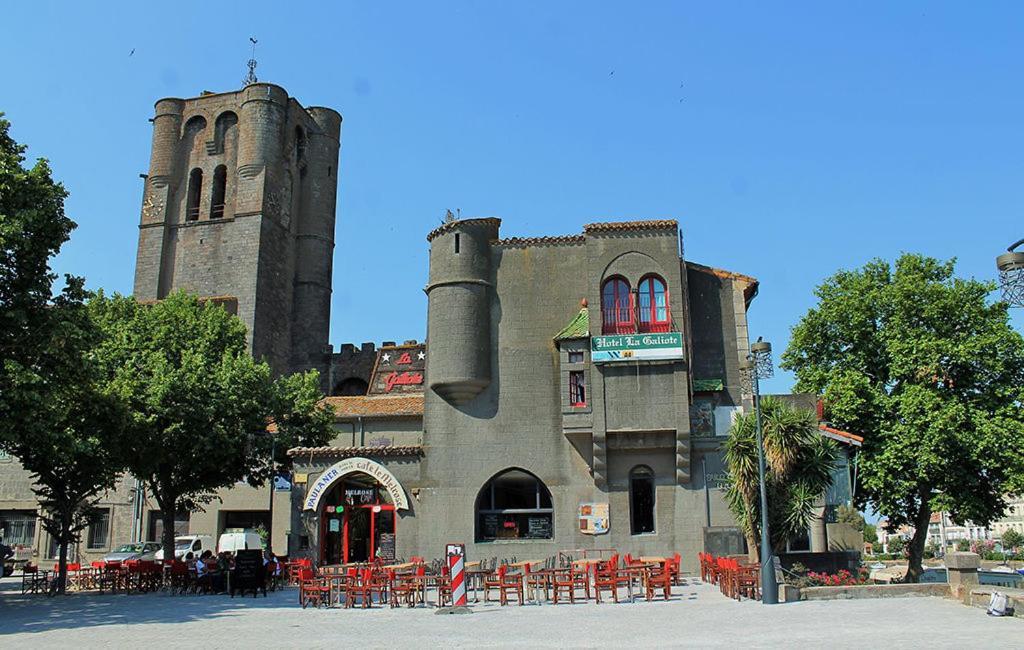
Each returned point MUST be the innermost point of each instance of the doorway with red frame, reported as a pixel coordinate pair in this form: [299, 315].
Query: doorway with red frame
[357, 522]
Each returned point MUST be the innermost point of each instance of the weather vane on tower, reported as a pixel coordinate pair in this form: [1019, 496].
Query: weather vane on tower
[251, 77]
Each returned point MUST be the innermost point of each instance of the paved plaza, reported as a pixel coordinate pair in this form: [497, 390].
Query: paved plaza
[697, 616]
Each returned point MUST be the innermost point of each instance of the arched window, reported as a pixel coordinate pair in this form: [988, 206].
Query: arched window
[616, 307]
[220, 182]
[195, 193]
[194, 126]
[641, 500]
[225, 121]
[654, 315]
[514, 504]
[300, 143]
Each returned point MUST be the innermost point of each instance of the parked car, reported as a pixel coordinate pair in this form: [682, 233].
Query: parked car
[134, 551]
[235, 542]
[194, 544]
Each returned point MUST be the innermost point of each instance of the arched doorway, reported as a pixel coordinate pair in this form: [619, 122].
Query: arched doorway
[357, 521]
[357, 500]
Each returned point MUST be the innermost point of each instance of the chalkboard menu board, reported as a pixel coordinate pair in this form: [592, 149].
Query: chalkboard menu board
[489, 524]
[539, 527]
[249, 573]
[386, 547]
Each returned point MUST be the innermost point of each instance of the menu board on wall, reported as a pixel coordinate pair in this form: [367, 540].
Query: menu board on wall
[386, 547]
[490, 526]
[539, 527]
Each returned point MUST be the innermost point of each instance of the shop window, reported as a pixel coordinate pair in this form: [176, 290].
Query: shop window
[575, 356]
[244, 520]
[653, 298]
[514, 505]
[577, 388]
[18, 527]
[195, 193]
[641, 500]
[99, 529]
[617, 307]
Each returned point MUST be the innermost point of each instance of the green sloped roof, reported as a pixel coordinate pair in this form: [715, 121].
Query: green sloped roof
[578, 328]
[708, 385]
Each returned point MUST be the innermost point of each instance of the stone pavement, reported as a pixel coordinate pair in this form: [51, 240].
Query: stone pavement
[696, 616]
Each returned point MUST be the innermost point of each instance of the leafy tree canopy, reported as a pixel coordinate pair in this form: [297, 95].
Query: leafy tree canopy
[200, 406]
[33, 227]
[932, 374]
[799, 465]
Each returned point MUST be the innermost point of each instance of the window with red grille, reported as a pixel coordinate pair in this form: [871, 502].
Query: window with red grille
[653, 299]
[577, 388]
[617, 307]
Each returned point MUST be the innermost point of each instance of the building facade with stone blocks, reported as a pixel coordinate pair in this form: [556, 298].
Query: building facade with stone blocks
[577, 390]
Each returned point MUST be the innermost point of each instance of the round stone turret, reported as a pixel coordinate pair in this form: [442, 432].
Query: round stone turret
[458, 308]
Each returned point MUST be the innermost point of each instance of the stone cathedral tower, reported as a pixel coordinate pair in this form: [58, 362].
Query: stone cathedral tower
[239, 208]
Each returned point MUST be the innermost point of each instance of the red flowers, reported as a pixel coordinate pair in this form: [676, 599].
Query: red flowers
[841, 578]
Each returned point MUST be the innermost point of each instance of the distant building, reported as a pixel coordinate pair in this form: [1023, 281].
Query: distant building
[1012, 519]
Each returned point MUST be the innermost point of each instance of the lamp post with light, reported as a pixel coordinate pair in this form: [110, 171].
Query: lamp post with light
[1011, 275]
[757, 366]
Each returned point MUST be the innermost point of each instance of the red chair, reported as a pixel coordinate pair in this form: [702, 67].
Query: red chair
[509, 582]
[401, 587]
[313, 589]
[605, 577]
[660, 579]
[565, 580]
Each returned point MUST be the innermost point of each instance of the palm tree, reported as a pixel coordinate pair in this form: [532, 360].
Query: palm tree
[799, 464]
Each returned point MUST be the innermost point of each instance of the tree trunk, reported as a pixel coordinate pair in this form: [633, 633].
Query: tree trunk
[62, 561]
[168, 509]
[915, 552]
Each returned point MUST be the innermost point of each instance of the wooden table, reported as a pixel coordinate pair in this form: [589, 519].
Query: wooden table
[522, 564]
[653, 559]
[401, 567]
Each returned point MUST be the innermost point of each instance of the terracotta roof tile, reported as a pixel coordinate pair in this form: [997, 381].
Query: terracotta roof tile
[721, 273]
[655, 224]
[442, 229]
[350, 452]
[513, 242]
[842, 436]
[380, 406]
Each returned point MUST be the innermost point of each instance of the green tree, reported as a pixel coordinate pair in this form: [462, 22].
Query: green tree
[871, 535]
[932, 375]
[58, 419]
[199, 404]
[1011, 540]
[896, 545]
[799, 464]
[33, 227]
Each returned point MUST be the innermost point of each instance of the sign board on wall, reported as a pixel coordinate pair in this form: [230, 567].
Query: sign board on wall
[594, 518]
[399, 369]
[348, 466]
[636, 347]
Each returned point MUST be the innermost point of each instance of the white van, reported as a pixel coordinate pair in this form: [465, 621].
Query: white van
[185, 544]
[235, 542]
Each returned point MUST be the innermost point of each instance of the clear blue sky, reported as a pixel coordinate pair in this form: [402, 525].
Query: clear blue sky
[788, 140]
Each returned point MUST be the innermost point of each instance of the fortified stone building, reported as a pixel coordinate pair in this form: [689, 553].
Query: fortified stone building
[577, 392]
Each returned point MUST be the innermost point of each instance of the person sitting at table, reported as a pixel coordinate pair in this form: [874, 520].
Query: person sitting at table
[190, 560]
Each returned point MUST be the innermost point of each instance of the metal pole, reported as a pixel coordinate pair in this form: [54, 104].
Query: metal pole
[769, 586]
[270, 509]
[707, 494]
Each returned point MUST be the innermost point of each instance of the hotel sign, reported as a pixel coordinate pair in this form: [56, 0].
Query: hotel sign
[636, 347]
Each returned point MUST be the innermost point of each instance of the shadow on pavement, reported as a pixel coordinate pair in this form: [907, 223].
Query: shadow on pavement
[36, 613]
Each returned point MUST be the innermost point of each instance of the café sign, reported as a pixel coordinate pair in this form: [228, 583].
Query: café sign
[636, 347]
[348, 466]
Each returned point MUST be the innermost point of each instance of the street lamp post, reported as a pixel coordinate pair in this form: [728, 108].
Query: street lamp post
[758, 365]
[1011, 275]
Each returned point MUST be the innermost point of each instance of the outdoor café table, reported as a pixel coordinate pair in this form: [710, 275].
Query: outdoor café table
[475, 577]
[637, 572]
[404, 566]
[337, 583]
[653, 559]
